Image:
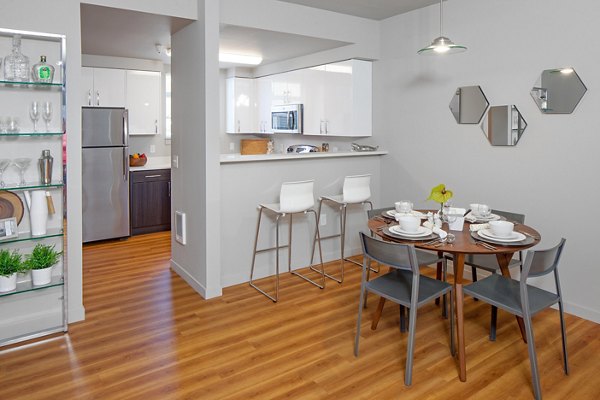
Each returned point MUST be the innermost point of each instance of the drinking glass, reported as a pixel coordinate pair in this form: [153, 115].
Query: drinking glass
[484, 210]
[4, 163]
[12, 125]
[22, 164]
[34, 114]
[47, 114]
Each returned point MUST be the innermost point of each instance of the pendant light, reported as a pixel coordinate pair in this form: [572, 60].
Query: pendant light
[441, 44]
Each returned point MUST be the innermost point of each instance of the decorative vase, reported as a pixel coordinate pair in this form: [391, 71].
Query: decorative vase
[8, 283]
[41, 276]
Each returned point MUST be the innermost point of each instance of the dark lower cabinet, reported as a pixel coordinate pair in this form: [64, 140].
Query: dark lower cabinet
[150, 194]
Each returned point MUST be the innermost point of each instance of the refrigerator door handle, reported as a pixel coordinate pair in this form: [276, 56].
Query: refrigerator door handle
[126, 127]
[125, 163]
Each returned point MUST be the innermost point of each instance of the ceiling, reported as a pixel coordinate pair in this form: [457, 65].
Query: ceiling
[372, 9]
[272, 46]
[108, 31]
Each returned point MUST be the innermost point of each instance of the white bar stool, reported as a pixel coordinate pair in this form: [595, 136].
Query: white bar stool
[356, 190]
[294, 198]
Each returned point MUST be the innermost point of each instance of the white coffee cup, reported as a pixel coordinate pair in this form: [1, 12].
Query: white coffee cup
[409, 223]
[480, 210]
[501, 228]
[403, 206]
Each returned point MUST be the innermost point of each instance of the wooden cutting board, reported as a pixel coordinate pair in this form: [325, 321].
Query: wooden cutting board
[254, 146]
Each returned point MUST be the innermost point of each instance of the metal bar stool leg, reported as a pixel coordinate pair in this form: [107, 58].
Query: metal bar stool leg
[314, 244]
[274, 299]
[322, 271]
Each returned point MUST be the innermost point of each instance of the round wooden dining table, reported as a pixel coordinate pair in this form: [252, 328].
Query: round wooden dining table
[464, 244]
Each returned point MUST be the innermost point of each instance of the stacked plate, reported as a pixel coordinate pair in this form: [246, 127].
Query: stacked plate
[480, 219]
[513, 237]
[393, 213]
[422, 233]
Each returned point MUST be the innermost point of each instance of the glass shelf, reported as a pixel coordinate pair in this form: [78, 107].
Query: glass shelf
[26, 236]
[31, 185]
[31, 134]
[32, 84]
[24, 287]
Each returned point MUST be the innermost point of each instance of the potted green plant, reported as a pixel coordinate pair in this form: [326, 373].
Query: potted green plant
[10, 264]
[40, 262]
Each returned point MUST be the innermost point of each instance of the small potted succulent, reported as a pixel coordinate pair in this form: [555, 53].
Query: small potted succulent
[10, 264]
[40, 262]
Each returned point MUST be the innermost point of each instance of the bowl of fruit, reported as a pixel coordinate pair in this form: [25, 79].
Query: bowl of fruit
[137, 160]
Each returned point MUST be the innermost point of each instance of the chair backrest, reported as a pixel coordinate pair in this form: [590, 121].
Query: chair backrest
[395, 255]
[541, 262]
[520, 218]
[296, 196]
[357, 188]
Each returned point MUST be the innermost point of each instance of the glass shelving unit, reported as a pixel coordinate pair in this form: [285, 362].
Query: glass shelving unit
[45, 306]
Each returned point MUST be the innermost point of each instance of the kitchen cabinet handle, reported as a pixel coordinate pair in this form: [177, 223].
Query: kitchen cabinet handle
[97, 97]
[326, 127]
[238, 126]
[156, 126]
[90, 97]
[169, 188]
[152, 176]
[125, 163]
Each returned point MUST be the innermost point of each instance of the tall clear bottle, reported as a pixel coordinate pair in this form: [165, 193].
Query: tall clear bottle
[16, 65]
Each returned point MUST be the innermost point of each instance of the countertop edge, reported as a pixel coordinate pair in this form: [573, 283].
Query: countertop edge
[237, 158]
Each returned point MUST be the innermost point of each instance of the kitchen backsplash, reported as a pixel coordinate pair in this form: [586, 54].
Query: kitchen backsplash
[141, 144]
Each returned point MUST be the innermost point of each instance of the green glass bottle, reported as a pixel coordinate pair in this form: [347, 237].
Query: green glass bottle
[42, 72]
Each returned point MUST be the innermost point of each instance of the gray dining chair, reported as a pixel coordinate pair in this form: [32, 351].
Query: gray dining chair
[489, 262]
[523, 300]
[403, 285]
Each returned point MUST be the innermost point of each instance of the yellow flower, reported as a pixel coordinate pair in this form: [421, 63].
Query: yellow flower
[440, 194]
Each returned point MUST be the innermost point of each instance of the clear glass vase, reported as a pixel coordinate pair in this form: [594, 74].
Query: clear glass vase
[16, 64]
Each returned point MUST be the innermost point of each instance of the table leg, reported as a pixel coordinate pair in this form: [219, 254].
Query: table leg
[459, 264]
[503, 262]
[377, 313]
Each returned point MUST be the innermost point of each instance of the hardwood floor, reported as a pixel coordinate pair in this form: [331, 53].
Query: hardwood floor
[148, 335]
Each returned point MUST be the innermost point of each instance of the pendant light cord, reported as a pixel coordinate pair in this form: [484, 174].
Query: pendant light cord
[441, 18]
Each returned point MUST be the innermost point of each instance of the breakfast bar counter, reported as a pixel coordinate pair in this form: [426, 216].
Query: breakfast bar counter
[237, 158]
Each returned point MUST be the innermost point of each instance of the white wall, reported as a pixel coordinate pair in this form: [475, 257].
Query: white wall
[196, 183]
[553, 168]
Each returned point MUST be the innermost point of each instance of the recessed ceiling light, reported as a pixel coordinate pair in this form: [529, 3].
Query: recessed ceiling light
[240, 59]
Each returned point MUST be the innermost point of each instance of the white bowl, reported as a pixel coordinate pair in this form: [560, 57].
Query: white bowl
[501, 228]
[409, 223]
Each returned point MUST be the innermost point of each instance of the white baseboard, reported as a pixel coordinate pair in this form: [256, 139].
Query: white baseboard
[76, 313]
[197, 286]
[582, 312]
[32, 322]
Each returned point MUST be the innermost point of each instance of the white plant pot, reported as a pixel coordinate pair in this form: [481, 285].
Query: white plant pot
[8, 283]
[41, 276]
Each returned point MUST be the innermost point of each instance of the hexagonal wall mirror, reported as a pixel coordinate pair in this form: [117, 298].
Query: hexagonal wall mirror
[468, 104]
[558, 91]
[503, 125]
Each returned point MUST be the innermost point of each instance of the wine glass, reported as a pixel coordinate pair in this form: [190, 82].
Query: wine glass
[4, 163]
[47, 114]
[22, 164]
[34, 114]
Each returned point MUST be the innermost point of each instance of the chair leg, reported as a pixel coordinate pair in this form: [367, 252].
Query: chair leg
[474, 278]
[412, 326]
[274, 299]
[360, 307]
[535, 378]
[493, 323]
[402, 318]
[452, 343]
[438, 276]
[564, 337]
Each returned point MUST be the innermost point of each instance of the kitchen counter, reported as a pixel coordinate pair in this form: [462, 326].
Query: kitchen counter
[237, 158]
[161, 162]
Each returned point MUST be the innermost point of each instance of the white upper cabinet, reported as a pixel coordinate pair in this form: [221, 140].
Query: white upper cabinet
[143, 102]
[103, 87]
[241, 112]
[287, 88]
[264, 96]
[338, 99]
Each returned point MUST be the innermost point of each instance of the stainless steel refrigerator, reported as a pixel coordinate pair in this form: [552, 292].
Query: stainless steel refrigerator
[105, 173]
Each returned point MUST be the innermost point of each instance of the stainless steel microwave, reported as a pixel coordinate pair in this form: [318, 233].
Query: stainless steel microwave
[287, 118]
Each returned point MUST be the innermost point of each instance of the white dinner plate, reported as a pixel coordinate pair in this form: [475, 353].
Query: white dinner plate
[418, 214]
[487, 234]
[421, 231]
[491, 217]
